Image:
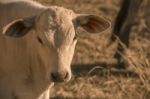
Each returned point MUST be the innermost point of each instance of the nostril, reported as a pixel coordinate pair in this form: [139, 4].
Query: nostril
[66, 75]
[54, 76]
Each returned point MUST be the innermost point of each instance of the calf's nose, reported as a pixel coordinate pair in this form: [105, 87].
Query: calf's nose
[59, 76]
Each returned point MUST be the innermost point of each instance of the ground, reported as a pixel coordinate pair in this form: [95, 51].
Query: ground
[92, 67]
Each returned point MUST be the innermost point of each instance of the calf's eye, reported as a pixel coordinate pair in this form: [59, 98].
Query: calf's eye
[40, 40]
[75, 37]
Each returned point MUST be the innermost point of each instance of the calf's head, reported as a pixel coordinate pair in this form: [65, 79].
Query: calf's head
[56, 28]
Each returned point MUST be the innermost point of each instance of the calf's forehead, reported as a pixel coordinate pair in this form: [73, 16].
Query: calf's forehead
[63, 13]
[57, 18]
[65, 33]
[57, 25]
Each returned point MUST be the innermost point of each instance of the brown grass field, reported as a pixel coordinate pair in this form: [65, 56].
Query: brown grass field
[94, 74]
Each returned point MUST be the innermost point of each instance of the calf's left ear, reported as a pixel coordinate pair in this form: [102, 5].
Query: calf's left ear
[19, 27]
[92, 23]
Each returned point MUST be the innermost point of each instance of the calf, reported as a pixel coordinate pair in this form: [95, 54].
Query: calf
[37, 45]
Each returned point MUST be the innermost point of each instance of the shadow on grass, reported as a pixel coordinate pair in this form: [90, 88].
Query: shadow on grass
[102, 69]
[61, 97]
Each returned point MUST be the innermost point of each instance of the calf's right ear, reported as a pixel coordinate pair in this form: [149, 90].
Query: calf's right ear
[19, 27]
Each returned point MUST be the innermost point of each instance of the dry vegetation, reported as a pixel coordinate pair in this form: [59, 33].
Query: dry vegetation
[94, 75]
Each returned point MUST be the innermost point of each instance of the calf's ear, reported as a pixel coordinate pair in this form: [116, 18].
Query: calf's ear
[19, 27]
[91, 23]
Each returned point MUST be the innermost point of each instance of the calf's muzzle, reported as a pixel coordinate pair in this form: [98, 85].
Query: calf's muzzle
[59, 76]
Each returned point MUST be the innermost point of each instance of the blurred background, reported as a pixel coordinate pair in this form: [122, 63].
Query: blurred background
[95, 76]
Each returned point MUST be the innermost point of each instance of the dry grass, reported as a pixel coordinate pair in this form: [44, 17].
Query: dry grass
[94, 75]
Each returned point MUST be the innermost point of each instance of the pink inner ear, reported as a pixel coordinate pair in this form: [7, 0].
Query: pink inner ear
[16, 29]
[96, 25]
